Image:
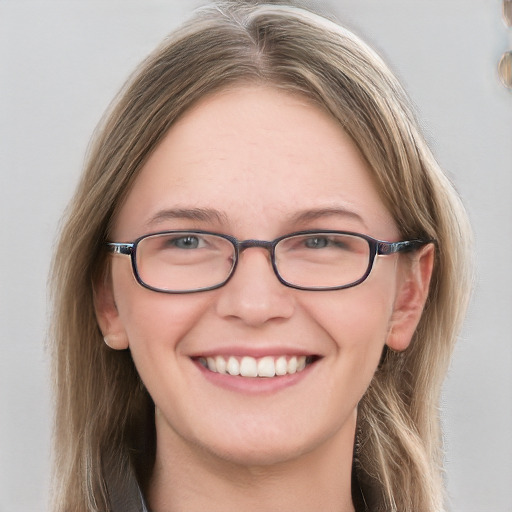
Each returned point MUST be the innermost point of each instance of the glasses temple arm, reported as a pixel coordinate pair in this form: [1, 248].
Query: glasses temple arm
[119, 248]
[404, 246]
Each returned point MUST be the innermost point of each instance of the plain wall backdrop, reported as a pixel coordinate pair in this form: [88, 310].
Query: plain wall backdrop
[61, 62]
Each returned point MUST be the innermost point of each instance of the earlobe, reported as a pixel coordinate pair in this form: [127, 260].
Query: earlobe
[107, 315]
[411, 296]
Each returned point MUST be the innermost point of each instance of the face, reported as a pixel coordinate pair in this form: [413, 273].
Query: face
[255, 163]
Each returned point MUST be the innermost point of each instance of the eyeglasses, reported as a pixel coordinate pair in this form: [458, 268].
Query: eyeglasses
[194, 261]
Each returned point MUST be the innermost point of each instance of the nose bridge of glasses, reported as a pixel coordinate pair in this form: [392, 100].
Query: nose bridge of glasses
[261, 244]
[246, 244]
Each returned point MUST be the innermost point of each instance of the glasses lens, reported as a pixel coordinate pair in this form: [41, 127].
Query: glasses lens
[184, 261]
[322, 260]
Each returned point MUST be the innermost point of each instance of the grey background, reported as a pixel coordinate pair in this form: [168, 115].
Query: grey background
[60, 64]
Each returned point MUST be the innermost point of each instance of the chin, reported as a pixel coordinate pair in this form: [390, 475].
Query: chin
[265, 447]
[262, 456]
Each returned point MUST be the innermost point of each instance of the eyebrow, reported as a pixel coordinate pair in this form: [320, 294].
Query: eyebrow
[199, 214]
[211, 215]
[316, 214]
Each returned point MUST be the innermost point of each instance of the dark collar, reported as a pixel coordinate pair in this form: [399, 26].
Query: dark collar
[124, 493]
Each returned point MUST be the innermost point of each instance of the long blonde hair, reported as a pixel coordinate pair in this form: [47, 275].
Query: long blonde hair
[103, 414]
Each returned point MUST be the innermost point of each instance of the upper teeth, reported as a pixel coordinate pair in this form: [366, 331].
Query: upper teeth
[250, 367]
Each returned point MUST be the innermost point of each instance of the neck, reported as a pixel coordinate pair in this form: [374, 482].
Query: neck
[187, 478]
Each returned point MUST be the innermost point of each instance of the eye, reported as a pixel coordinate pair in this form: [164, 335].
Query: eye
[316, 242]
[185, 242]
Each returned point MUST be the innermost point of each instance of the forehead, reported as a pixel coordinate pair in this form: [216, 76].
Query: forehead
[254, 153]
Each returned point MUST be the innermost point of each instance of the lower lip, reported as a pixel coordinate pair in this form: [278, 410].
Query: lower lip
[254, 385]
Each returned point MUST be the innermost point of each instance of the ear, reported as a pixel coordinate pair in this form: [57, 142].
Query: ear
[412, 293]
[107, 314]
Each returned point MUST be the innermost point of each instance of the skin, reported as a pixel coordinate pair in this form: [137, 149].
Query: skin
[260, 158]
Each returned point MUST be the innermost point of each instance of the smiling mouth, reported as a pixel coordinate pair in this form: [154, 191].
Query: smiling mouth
[247, 366]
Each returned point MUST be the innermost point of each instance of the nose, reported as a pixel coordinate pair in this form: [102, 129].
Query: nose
[254, 295]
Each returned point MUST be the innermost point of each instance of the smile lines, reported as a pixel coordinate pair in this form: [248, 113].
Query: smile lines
[251, 367]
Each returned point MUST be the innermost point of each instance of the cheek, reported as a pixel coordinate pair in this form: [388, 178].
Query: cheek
[154, 321]
[356, 319]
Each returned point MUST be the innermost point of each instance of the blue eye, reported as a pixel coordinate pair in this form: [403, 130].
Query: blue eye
[186, 242]
[316, 242]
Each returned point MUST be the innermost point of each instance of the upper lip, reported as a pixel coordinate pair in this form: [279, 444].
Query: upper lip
[256, 352]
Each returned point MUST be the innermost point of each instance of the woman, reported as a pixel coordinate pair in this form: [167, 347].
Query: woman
[259, 283]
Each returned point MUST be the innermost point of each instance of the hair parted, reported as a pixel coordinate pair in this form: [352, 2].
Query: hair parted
[103, 413]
